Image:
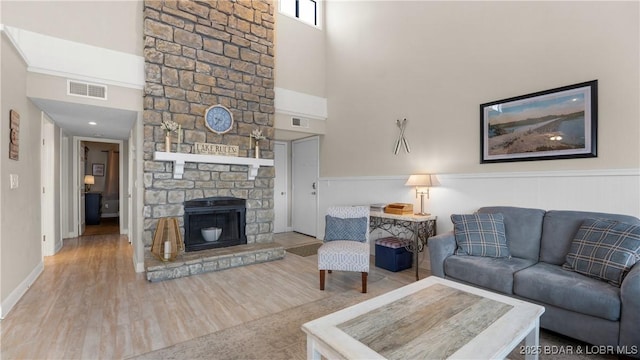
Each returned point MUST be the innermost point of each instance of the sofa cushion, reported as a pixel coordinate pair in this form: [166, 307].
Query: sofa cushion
[604, 249]
[480, 235]
[523, 229]
[559, 228]
[491, 273]
[553, 285]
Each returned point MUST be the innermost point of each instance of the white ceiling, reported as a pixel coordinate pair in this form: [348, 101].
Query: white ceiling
[74, 119]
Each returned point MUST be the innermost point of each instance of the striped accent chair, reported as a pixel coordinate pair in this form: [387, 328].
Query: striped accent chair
[346, 244]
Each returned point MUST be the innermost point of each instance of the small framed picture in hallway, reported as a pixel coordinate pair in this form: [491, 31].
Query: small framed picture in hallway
[97, 170]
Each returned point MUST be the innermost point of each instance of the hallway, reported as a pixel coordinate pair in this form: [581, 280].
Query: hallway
[107, 226]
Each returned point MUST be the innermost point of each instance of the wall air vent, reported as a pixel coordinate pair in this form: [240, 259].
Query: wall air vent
[298, 122]
[93, 91]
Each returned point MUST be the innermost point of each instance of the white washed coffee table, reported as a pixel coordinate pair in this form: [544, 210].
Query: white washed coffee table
[430, 319]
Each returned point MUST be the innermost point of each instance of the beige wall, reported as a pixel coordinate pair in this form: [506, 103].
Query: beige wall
[300, 56]
[20, 250]
[115, 25]
[435, 62]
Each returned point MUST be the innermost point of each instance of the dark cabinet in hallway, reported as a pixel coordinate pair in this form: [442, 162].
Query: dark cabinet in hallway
[92, 208]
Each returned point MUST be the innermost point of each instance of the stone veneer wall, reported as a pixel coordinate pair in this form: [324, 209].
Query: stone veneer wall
[199, 54]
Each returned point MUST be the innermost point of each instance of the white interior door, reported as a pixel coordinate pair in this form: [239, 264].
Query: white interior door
[281, 191]
[305, 173]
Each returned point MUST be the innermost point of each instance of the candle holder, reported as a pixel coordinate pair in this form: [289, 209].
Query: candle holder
[167, 240]
[256, 135]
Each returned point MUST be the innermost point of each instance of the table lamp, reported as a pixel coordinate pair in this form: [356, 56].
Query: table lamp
[88, 181]
[422, 181]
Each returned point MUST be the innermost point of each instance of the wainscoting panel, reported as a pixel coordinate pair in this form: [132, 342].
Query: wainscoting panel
[612, 191]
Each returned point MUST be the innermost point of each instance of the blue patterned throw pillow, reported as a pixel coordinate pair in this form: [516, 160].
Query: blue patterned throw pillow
[345, 229]
[604, 249]
[480, 235]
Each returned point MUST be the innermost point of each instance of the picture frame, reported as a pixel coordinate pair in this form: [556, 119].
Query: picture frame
[559, 123]
[97, 169]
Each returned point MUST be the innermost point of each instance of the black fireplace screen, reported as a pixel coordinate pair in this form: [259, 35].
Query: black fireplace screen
[214, 222]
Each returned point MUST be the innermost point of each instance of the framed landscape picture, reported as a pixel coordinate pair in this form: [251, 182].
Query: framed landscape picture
[559, 123]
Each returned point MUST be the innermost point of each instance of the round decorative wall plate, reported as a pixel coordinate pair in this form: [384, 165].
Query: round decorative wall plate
[218, 119]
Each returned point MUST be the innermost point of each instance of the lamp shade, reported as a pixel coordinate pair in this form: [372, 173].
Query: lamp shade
[426, 180]
[89, 180]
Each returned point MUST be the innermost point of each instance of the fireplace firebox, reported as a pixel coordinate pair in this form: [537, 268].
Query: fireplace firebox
[225, 213]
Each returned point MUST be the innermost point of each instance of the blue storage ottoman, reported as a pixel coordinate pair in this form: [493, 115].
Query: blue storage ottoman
[392, 255]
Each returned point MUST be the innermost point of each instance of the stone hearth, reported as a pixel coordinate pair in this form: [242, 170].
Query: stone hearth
[199, 262]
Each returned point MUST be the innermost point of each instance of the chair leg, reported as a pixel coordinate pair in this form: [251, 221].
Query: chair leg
[364, 282]
[321, 279]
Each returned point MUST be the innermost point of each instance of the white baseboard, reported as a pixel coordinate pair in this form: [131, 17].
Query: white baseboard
[58, 246]
[139, 266]
[18, 292]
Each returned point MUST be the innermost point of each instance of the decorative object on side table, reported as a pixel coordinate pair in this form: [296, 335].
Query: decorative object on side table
[167, 240]
[422, 181]
[168, 126]
[559, 123]
[256, 134]
[399, 209]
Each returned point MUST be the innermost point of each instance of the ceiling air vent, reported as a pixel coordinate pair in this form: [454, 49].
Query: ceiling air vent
[298, 122]
[94, 91]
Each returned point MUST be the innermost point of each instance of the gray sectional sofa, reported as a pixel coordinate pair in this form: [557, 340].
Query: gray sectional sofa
[579, 306]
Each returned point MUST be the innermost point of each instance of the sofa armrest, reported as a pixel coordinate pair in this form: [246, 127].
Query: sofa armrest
[630, 316]
[440, 247]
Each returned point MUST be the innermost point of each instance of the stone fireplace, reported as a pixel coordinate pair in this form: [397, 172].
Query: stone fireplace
[224, 213]
[199, 54]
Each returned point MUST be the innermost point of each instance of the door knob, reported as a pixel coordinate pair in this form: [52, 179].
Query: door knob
[282, 193]
[313, 193]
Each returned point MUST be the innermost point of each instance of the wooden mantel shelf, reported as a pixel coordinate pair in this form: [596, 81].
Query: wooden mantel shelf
[179, 159]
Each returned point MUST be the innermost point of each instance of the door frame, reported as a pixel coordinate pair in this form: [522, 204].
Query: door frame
[286, 174]
[47, 186]
[79, 179]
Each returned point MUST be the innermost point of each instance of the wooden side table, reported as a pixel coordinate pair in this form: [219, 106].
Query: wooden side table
[418, 227]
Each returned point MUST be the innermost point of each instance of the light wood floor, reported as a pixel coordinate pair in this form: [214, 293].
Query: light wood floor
[107, 226]
[90, 304]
